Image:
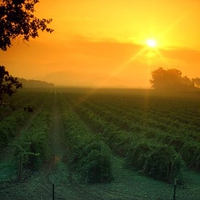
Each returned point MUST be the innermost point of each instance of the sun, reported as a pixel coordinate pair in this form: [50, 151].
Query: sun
[151, 43]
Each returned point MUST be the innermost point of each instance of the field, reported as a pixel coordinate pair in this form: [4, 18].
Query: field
[100, 144]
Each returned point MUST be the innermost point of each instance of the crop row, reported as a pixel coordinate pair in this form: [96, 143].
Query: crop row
[170, 114]
[89, 156]
[138, 153]
[185, 142]
[33, 144]
[20, 100]
[10, 124]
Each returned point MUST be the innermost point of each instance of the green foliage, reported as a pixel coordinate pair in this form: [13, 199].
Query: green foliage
[38, 149]
[191, 155]
[158, 161]
[95, 165]
[13, 120]
[137, 154]
[123, 120]
[91, 159]
[9, 126]
[149, 132]
[163, 163]
[89, 156]
[36, 152]
[175, 141]
[116, 138]
[119, 141]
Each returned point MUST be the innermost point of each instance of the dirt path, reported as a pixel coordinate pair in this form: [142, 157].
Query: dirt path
[56, 171]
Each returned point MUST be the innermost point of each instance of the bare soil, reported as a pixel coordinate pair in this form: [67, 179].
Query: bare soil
[56, 173]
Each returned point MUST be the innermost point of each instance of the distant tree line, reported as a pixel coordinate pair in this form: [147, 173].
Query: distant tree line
[34, 83]
[172, 79]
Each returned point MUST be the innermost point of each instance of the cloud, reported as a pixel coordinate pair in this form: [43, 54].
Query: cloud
[189, 56]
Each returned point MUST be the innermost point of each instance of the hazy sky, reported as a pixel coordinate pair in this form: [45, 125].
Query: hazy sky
[103, 43]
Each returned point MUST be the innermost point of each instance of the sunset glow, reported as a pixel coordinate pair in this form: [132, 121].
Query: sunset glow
[94, 39]
[100, 99]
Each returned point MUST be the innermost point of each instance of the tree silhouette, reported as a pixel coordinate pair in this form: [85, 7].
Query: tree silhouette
[170, 79]
[196, 82]
[8, 84]
[17, 20]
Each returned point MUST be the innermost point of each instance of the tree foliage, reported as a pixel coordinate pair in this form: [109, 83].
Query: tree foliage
[196, 82]
[17, 19]
[8, 84]
[171, 79]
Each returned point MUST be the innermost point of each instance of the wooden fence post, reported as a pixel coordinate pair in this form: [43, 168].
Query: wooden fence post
[20, 168]
[53, 191]
[174, 196]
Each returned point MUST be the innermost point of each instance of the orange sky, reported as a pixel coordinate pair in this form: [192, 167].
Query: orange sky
[103, 43]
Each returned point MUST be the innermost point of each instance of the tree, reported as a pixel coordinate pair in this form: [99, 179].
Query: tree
[170, 79]
[17, 20]
[196, 82]
[8, 84]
